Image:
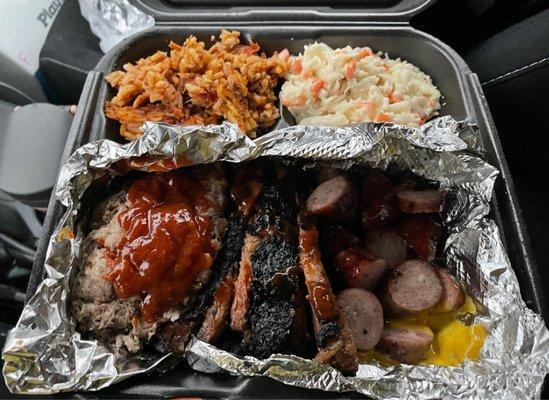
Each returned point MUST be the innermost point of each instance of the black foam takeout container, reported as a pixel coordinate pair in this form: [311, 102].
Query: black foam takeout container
[292, 28]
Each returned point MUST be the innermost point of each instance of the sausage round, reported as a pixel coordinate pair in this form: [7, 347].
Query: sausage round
[406, 345]
[364, 316]
[385, 243]
[335, 199]
[452, 294]
[411, 287]
[359, 268]
[416, 202]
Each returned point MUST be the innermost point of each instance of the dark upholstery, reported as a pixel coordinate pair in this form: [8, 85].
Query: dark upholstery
[70, 51]
[513, 67]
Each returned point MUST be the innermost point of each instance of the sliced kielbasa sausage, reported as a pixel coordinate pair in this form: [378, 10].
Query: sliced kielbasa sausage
[421, 232]
[378, 200]
[410, 288]
[386, 244]
[406, 345]
[452, 294]
[359, 268]
[416, 202]
[364, 316]
[336, 199]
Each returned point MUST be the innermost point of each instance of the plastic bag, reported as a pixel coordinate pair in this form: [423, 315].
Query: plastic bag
[114, 20]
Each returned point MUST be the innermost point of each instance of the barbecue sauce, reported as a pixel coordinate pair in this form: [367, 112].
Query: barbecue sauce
[421, 232]
[165, 244]
[318, 286]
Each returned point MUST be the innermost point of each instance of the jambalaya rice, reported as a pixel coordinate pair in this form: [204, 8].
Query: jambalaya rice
[194, 85]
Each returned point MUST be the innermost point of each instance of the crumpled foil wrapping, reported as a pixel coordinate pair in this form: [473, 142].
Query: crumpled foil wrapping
[45, 354]
[114, 20]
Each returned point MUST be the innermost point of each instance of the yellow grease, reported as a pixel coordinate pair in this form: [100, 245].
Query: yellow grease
[454, 341]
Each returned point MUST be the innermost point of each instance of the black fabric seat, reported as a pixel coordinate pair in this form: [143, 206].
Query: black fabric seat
[71, 50]
[513, 67]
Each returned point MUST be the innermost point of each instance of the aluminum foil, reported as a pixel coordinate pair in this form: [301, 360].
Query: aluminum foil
[114, 20]
[45, 354]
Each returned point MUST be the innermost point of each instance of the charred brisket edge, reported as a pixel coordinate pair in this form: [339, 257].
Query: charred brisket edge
[226, 263]
[228, 256]
[303, 343]
[327, 331]
[275, 275]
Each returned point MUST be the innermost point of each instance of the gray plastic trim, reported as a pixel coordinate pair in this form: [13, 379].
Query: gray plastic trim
[236, 11]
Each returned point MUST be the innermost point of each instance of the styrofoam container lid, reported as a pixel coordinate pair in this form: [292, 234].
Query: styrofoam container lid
[284, 11]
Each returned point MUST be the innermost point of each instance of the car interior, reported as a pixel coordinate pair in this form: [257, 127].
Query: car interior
[504, 43]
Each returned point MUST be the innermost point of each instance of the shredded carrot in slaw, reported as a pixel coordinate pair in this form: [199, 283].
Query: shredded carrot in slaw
[298, 66]
[350, 69]
[308, 74]
[394, 98]
[366, 104]
[365, 52]
[317, 87]
[381, 117]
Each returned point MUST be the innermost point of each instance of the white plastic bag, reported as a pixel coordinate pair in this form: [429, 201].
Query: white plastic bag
[114, 20]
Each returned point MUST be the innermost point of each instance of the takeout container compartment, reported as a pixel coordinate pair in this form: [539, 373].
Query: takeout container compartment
[462, 98]
[444, 66]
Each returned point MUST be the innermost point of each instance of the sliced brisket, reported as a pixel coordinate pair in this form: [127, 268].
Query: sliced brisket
[243, 286]
[333, 339]
[216, 316]
[275, 314]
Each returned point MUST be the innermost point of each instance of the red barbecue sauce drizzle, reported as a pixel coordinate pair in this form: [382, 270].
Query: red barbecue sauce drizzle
[318, 285]
[165, 245]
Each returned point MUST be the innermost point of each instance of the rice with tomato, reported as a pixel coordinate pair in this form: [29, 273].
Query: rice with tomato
[351, 85]
[194, 85]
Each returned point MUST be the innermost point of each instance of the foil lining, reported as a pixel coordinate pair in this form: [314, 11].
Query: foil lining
[45, 354]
